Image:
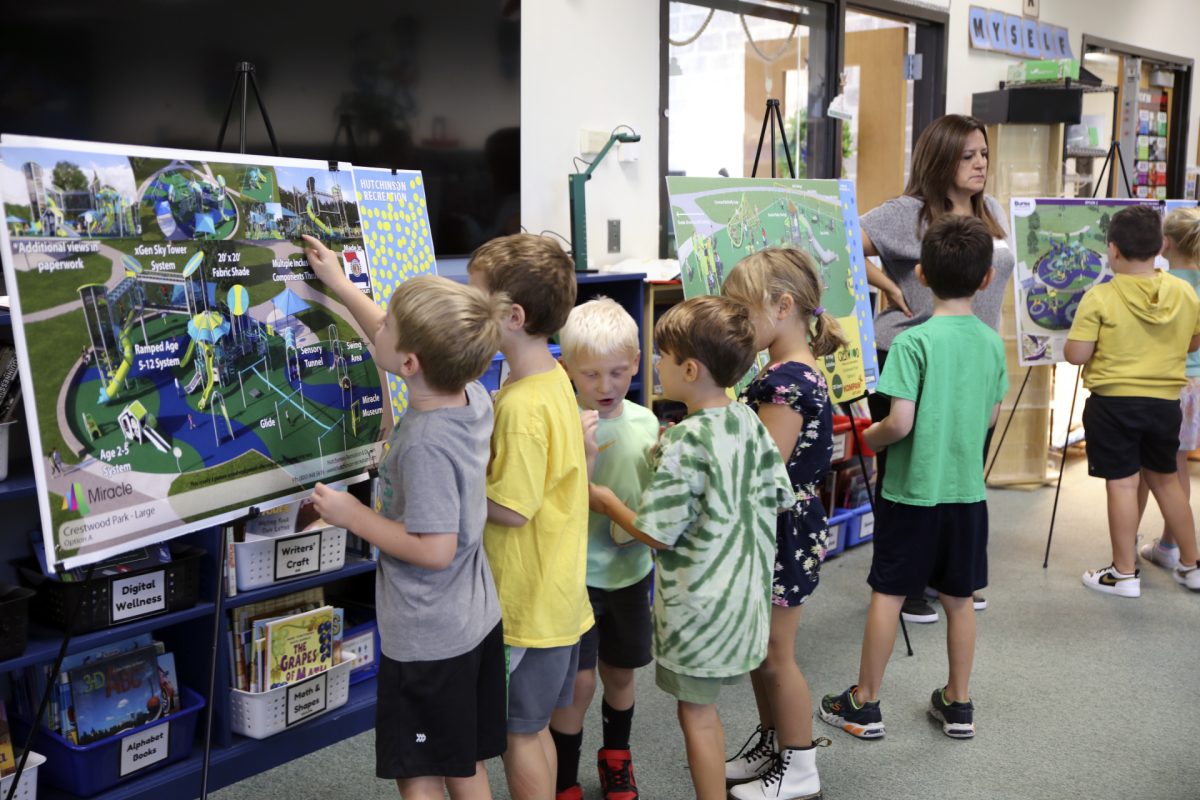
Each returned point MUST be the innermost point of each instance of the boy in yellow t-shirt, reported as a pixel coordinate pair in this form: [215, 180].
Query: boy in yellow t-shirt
[1133, 335]
[537, 487]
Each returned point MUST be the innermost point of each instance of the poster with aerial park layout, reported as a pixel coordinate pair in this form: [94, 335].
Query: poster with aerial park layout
[180, 361]
[719, 221]
[1062, 251]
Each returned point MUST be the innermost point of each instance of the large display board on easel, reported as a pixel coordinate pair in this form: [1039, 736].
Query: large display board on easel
[1061, 252]
[179, 360]
[719, 221]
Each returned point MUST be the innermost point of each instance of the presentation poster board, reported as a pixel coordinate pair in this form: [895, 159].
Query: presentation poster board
[720, 221]
[180, 362]
[395, 230]
[1061, 252]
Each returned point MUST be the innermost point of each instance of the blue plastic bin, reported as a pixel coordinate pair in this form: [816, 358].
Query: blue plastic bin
[85, 770]
[861, 528]
[835, 544]
[491, 378]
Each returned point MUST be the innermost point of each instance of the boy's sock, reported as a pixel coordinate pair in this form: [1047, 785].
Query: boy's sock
[1120, 574]
[568, 746]
[617, 725]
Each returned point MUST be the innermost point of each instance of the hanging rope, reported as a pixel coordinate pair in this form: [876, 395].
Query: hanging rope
[697, 34]
[786, 42]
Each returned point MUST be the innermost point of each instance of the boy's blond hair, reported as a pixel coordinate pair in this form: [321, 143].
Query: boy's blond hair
[536, 274]
[453, 329]
[1183, 227]
[600, 328]
[716, 331]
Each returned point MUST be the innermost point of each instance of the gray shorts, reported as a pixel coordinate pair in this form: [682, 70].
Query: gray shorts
[540, 679]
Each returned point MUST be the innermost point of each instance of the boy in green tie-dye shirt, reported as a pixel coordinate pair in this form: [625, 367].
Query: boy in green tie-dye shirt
[709, 512]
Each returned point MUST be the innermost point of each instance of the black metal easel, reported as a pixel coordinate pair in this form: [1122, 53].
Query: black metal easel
[773, 118]
[243, 82]
[1109, 165]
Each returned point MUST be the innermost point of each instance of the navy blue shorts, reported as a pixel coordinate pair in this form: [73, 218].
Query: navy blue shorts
[622, 633]
[943, 546]
[1125, 434]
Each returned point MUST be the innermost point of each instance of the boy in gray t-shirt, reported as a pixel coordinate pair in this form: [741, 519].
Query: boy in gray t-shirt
[441, 688]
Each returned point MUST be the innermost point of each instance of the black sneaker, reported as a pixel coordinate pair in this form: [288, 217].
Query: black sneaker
[958, 719]
[862, 720]
[918, 609]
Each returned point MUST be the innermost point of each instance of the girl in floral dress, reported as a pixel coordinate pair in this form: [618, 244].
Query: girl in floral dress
[782, 287]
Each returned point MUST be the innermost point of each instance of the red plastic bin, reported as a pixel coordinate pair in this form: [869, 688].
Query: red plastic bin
[844, 439]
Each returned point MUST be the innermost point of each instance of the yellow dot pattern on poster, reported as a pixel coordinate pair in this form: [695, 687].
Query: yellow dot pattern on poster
[395, 226]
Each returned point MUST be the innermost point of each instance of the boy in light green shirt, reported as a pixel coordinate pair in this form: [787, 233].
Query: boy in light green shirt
[709, 512]
[601, 354]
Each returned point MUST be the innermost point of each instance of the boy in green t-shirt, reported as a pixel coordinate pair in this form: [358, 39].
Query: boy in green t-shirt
[600, 351]
[709, 512]
[1133, 335]
[946, 378]
[537, 496]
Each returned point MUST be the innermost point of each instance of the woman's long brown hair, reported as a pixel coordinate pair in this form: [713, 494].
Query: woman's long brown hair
[935, 163]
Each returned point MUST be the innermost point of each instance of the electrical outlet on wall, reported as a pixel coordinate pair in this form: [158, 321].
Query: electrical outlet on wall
[614, 236]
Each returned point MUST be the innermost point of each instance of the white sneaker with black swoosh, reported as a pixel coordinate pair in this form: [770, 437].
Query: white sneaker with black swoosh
[1109, 581]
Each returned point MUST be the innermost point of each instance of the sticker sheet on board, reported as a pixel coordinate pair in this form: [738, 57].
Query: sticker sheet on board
[719, 221]
[180, 361]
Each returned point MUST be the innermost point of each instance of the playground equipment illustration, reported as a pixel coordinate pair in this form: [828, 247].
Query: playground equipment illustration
[188, 205]
[97, 210]
[317, 212]
[138, 424]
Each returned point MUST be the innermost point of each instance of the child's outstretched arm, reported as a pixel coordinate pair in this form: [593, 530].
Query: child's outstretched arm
[604, 501]
[1078, 352]
[892, 428]
[431, 550]
[324, 263]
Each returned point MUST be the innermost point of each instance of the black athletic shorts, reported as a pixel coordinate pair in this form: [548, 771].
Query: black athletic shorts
[437, 718]
[621, 635]
[943, 547]
[1125, 434]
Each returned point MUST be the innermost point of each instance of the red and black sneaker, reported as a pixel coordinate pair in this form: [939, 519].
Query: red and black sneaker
[573, 792]
[616, 775]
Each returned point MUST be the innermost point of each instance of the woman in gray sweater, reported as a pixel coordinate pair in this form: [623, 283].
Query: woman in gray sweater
[949, 171]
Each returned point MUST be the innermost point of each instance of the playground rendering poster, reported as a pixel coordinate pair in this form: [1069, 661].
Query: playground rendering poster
[1061, 252]
[180, 361]
[719, 221]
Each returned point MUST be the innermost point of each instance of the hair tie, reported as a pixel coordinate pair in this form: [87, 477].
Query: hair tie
[818, 311]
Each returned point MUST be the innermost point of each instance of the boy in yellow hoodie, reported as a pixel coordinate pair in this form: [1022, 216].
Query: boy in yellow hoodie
[1133, 335]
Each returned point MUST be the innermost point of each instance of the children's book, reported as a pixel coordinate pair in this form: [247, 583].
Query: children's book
[298, 647]
[7, 762]
[115, 694]
[168, 683]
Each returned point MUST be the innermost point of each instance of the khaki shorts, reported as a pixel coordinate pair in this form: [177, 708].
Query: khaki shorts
[690, 689]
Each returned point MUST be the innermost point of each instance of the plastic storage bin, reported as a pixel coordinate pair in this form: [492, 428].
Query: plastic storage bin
[56, 598]
[14, 622]
[861, 526]
[88, 769]
[844, 438]
[496, 371]
[835, 543]
[262, 714]
[264, 560]
[27, 788]
[362, 642]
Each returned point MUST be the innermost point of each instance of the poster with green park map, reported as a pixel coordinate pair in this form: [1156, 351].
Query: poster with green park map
[720, 221]
[1062, 251]
[180, 361]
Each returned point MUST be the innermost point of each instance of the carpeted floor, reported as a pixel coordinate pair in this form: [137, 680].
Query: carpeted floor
[1077, 694]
